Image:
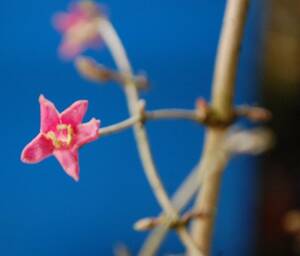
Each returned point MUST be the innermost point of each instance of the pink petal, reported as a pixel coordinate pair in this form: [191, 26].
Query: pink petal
[87, 132]
[37, 150]
[69, 162]
[62, 21]
[69, 50]
[74, 114]
[49, 115]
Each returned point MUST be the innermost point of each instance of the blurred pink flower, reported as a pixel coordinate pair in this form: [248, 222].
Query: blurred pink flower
[61, 135]
[79, 27]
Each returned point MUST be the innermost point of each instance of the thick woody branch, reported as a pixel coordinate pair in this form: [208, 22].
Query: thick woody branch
[222, 103]
[228, 56]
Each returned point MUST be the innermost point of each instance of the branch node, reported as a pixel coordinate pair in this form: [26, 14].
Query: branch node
[142, 110]
[209, 116]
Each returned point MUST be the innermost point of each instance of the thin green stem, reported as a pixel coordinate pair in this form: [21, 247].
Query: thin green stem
[164, 114]
[118, 127]
[161, 114]
[118, 52]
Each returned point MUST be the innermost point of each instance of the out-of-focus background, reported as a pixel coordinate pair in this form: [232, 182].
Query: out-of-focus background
[43, 212]
[279, 230]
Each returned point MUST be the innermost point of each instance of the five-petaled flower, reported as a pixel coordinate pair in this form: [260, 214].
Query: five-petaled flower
[79, 27]
[61, 135]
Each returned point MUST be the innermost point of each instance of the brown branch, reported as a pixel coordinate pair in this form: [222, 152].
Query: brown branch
[228, 56]
[222, 103]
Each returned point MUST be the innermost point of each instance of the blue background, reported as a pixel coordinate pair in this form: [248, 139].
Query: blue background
[42, 211]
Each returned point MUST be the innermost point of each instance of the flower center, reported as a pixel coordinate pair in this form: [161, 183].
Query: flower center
[62, 136]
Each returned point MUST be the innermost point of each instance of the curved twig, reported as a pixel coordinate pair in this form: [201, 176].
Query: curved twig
[113, 42]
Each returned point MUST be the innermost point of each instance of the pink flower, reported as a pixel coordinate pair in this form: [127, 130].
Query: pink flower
[79, 28]
[61, 135]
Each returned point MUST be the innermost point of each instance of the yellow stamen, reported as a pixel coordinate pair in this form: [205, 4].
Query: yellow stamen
[69, 135]
[59, 142]
[61, 127]
[56, 143]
